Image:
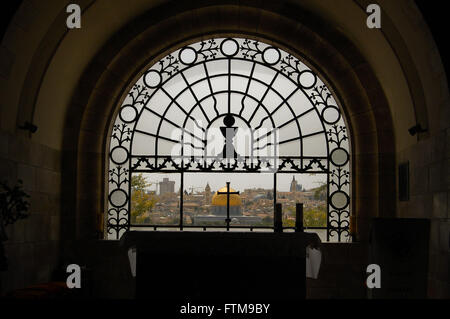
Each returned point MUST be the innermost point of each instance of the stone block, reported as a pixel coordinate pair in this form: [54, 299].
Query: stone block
[419, 180]
[92, 142]
[421, 154]
[443, 267]
[8, 171]
[27, 174]
[18, 231]
[433, 263]
[366, 143]
[93, 119]
[45, 255]
[447, 143]
[6, 282]
[54, 228]
[4, 142]
[440, 205]
[271, 25]
[365, 163]
[385, 140]
[387, 203]
[249, 19]
[448, 205]
[33, 227]
[6, 62]
[25, 15]
[44, 233]
[33, 262]
[54, 205]
[438, 147]
[402, 209]
[366, 184]
[46, 157]
[421, 206]
[387, 164]
[19, 150]
[48, 181]
[434, 235]
[364, 123]
[438, 176]
[444, 236]
[38, 202]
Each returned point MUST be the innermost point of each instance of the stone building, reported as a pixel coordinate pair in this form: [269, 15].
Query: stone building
[207, 194]
[166, 186]
[295, 186]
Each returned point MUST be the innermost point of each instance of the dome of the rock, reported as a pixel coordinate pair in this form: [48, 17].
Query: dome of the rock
[221, 199]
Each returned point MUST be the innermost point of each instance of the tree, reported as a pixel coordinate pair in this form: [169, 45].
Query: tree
[138, 182]
[288, 223]
[320, 193]
[13, 206]
[142, 202]
[316, 217]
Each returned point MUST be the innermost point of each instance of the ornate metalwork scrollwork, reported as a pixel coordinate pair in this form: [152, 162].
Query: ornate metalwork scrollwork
[186, 95]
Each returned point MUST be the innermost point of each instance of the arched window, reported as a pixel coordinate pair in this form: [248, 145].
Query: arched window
[237, 107]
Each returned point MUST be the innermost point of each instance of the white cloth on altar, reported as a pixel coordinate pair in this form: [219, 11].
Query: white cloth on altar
[313, 260]
[132, 259]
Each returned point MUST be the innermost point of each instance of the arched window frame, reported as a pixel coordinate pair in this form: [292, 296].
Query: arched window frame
[177, 63]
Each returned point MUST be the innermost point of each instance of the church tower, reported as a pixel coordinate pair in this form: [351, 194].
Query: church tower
[207, 194]
[293, 188]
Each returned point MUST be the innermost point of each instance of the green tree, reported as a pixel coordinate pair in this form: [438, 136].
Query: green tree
[291, 211]
[288, 223]
[320, 193]
[142, 202]
[138, 182]
[316, 217]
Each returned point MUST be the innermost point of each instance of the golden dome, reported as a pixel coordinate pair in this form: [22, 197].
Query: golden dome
[221, 200]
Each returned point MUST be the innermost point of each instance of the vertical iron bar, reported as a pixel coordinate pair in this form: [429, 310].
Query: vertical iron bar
[278, 220]
[181, 200]
[274, 191]
[328, 202]
[229, 85]
[228, 206]
[299, 217]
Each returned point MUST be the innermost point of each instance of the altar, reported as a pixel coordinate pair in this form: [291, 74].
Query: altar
[225, 266]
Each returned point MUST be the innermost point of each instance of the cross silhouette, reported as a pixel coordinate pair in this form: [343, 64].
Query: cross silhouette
[228, 193]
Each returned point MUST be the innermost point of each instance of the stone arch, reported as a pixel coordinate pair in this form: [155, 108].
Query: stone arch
[104, 83]
[32, 67]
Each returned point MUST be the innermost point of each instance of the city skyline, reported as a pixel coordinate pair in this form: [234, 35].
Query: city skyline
[197, 182]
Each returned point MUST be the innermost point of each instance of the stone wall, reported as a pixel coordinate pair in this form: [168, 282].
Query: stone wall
[429, 158]
[33, 246]
[429, 162]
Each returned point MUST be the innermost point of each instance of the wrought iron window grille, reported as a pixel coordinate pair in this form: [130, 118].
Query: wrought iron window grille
[230, 85]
